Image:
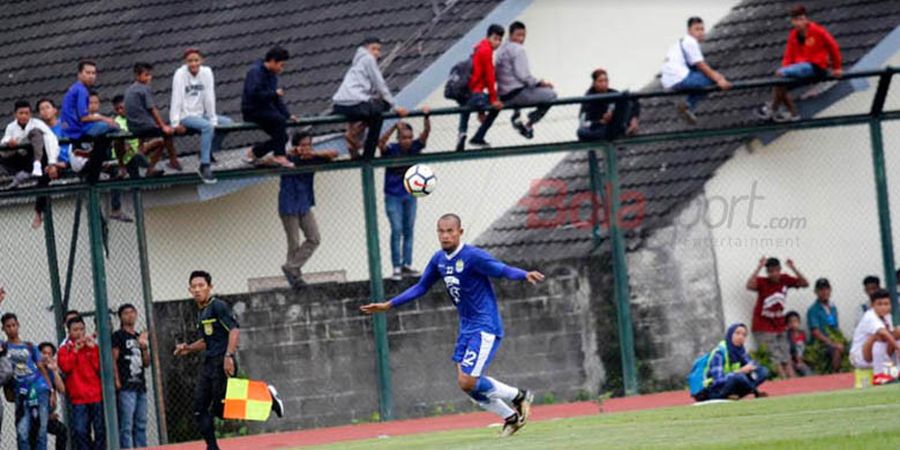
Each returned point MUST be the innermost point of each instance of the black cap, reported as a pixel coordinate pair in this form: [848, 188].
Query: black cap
[823, 283]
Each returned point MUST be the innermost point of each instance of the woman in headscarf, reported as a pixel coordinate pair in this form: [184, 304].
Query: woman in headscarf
[731, 374]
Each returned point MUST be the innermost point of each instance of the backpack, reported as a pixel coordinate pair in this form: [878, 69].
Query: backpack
[457, 86]
[697, 378]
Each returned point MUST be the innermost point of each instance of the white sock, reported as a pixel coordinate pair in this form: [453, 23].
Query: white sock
[497, 407]
[502, 391]
[36, 169]
[879, 357]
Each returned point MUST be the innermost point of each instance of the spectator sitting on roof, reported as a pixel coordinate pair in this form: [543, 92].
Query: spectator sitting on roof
[482, 79]
[363, 97]
[685, 68]
[146, 123]
[48, 112]
[515, 83]
[809, 48]
[797, 344]
[606, 119]
[731, 373]
[262, 103]
[822, 320]
[132, 158]
[875, 341]
[193, 106]
[23, 163]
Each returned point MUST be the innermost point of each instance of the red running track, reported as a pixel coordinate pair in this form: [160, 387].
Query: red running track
[332, 435]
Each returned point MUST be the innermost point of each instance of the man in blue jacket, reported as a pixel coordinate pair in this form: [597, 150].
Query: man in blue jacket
[262, 103]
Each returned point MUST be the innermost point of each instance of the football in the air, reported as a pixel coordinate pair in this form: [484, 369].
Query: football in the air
[419, 180]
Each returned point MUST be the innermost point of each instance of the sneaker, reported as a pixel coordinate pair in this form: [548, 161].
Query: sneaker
[686, 113]
[764, 112]
[479, 143]
[290, 276]
[398, 274]
[512, 424]
[206, 174]
[277, 404]
[785, 116]
[20, 178]
[461, 142]
[249, 157]
[524, 130]
[36, 169]
[522, 404]
[407, 271]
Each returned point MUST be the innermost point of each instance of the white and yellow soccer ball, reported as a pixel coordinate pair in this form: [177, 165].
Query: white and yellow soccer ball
[419, 180]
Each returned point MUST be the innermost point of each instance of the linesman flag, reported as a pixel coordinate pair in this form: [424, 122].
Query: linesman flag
[247, 400]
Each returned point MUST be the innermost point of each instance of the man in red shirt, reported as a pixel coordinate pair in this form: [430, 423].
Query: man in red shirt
[482, 79]
[810, 50]
[79, 361]
[769, 327]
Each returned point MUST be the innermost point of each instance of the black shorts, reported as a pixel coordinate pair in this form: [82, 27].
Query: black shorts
[212, 384]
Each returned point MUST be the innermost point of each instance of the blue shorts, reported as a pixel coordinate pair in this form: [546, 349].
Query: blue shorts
[475, 351]
[802, 70]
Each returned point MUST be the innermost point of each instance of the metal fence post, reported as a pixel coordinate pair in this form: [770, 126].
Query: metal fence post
[620, 272]
[884, 214]
[596, 194]
[73, 249]
[101, 306]
[147, 291]
[53, 267]
[379, 321]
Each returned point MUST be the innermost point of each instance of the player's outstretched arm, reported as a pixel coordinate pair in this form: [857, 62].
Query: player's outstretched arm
[429, 276]
[488, 265]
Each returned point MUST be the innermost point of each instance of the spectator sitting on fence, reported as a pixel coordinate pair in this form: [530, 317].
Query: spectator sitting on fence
[49, 114]
[482, 79]
[606, 119]
[296, 198]
[55, 427]
[731, 374]
[23, 163]
[768, 314]
[89, 131]
[145, 121]
[822, 320]
[797, 344]
[875, 341]
[131, 357]
[363, 97]
[685, 68]
[132, 159]
[31, 387]
[194, 107]
[810, 48]
[400, 205]
[79, 361]
[515, 83]
[262, 103]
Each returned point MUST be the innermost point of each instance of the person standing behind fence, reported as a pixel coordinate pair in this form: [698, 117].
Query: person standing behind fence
[262, 103]
[606, 119]
[55, 427]
[296, 198]
[84, 128]
[399, 204]
[131, 353]
[193, 106]
[32, 385]
[685, 68]
[515, 83]
[483, 78]
[79, 361]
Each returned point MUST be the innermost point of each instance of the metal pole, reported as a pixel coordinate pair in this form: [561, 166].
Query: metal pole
[73, 249]
[379, 321]
[53, 267]
[155, 370]
[102, 320]
[884, 214]
[620, 273]
[596, 194]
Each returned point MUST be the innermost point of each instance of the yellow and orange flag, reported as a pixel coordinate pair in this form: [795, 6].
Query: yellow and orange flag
[247, 400]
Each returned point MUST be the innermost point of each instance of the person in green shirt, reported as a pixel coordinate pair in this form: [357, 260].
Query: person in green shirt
[132, 160]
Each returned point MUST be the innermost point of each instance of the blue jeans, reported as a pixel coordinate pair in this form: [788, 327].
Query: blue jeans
[401, 212]
[210, 141]
[98, 129]
[694, 79]
[478, 102]
[799, 70]
[132, 419]
[27, 415]
[84, 416]
[739, 384]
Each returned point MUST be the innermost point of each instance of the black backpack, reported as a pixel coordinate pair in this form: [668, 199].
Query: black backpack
[457, 87]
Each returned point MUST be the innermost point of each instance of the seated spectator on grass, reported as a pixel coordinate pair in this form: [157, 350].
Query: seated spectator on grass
[810, 51]
[797, 342]
[55, 426]
[515, 83]
[23, 163]
[296, 198]
[79, 361]
[875, 341]
[194, 107]
[768, 315]
[145, 121]
[263, 104]
[363, 97]
[685, 68]
[482, 89]
[606, 119]
[824, 328]
[399, 204]
[89, 131]
[731, 373]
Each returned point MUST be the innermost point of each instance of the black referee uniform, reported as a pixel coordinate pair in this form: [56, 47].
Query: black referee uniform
[214, 322]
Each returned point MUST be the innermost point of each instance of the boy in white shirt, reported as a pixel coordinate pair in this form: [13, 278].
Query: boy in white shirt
[875, 339]
[23, 163]
[685, 68]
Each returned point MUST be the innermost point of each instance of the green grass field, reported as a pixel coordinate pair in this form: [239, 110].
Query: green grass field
[865, 419]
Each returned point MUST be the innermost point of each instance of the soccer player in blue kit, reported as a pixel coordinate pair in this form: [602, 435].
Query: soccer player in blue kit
[466, 271]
